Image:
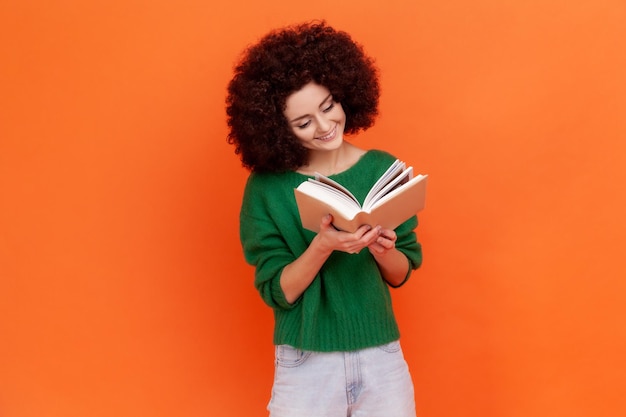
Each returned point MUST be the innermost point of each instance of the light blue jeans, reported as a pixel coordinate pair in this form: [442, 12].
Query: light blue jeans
[373, 382]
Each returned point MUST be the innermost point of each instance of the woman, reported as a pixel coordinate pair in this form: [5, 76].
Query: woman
[293, 97]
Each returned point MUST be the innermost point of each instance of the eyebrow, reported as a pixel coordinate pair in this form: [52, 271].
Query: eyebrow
[308, 115]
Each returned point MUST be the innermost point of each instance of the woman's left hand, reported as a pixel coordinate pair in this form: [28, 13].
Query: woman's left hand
[393, 264]
[385, 242]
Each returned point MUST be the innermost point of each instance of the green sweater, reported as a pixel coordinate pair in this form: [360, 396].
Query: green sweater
[348, 304]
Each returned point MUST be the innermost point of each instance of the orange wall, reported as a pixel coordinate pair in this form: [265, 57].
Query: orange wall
[122, 287]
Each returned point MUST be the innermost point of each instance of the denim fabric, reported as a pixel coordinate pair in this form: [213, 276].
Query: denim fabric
[373, 382]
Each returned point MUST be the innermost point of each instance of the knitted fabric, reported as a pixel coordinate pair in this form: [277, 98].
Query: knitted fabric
[348, 305]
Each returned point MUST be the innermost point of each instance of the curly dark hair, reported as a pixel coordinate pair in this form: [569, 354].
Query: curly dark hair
[281, 63]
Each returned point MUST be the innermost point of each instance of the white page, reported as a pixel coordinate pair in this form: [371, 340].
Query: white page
[397, 182]
[387, 176]
[331, 183]
[323, 192]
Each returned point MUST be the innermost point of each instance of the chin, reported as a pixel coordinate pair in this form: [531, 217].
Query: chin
[333, 144]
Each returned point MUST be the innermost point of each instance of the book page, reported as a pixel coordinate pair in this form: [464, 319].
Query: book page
[328, 197]
[396, 182]
[392, 172]
[329, 193]
[412, 183]
[400, 204]
[334, 184]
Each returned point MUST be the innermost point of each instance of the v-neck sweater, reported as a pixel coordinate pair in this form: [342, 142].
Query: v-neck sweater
[348, 305]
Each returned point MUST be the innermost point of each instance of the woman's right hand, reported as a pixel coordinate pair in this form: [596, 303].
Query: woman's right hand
[298, 275]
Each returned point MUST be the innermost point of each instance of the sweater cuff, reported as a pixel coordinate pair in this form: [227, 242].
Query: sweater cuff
[406, 278]
[278, 296]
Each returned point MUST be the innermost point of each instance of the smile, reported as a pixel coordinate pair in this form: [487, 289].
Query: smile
[330, 136]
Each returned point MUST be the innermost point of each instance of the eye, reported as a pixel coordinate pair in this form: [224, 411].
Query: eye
[304, 125]
[329, 108]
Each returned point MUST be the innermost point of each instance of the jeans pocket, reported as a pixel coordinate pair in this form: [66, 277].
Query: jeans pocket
[392, 347]
[290, 357]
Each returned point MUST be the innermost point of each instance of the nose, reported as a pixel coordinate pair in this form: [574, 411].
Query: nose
[323, 124]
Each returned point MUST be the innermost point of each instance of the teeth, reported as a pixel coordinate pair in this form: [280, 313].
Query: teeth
[330, 135]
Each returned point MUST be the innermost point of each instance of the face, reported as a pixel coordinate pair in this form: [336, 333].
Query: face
[315, 118]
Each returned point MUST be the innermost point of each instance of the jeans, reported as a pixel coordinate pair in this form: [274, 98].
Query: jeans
[373, 382]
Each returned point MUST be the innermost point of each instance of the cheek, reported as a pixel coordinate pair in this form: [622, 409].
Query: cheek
[301, 135]
[339, 111]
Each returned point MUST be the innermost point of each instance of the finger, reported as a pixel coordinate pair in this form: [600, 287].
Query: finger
[388, 234]
[376, 247]
[373, 232]
[371, 237]
[362, 231]
[326, 222]
[385, 243]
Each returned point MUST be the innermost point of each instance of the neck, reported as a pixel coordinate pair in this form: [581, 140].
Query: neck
[332, 162]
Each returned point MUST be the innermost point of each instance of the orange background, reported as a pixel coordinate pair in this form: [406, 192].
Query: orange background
[123, 291]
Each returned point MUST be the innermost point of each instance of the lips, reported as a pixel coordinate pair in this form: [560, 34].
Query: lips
[329, 136]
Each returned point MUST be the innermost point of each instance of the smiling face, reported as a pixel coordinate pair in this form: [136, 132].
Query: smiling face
[315, 118]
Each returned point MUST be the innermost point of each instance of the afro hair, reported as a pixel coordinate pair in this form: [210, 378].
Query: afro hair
[281, 63]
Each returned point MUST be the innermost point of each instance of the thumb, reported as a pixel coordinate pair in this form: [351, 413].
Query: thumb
[326, 221]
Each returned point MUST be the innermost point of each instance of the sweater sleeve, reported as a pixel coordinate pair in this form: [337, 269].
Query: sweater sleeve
[264, 246]
[407, 243]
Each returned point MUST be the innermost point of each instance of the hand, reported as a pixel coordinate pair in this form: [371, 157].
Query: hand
[333, 239]
[385, 242]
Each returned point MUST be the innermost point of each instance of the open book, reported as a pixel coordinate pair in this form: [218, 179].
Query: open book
[394, 198]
